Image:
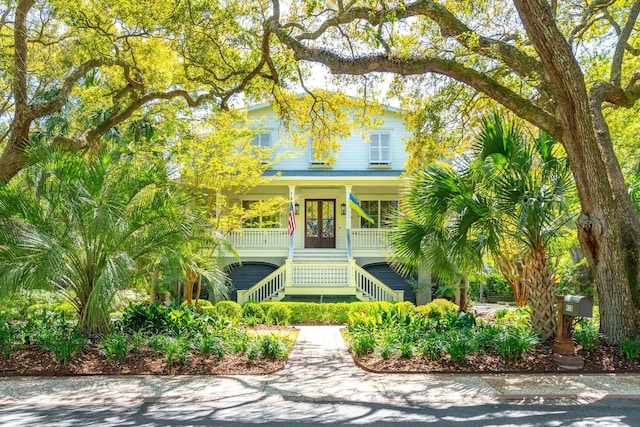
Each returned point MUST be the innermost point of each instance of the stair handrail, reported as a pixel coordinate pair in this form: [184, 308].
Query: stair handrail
[380, 291]
[266, 288]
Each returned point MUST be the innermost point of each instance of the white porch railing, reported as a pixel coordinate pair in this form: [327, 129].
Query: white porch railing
[265, 289]
[260, 238]
[365, 238]
[373, 288]
[322, 275]
[346, 278]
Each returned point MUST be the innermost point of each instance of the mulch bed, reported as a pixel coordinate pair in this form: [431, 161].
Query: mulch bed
[606, 359]
[34, 361]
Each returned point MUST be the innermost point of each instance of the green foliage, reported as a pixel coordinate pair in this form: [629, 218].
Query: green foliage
[278, 314]
[521, 316]
[230, 310]
[158, 319]
[458, 334]
[252, 313]
[437, 308]
[514, 342]
[629, 348]
[116, 345]
[175, 349]
[205, 306]
[362, 343]
[54, 333]
[496, 284]
[90, 226]
[459, 343]
[432, 346]
[8, 336]
[211, 344]
[271, 347]
[587, 333]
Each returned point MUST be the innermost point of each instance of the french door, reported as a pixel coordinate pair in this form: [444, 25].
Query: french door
[320, 224]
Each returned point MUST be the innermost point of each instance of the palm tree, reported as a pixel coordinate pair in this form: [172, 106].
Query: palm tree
[88, 227]
[530, 180]
[510, 189]
[434, 227]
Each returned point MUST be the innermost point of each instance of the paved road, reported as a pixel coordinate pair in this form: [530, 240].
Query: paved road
[320, 385]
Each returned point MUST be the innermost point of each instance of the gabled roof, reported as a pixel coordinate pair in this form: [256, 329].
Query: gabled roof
[264, 105]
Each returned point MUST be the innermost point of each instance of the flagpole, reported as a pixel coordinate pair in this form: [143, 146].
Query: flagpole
[292, 195]
[348, 219]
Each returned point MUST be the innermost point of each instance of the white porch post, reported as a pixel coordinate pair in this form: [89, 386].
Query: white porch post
[347, 189]
[292, 198]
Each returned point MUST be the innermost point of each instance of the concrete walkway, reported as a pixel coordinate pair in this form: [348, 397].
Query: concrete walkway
[320, 369]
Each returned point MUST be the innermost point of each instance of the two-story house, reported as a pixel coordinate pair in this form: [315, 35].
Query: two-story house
[320, 248]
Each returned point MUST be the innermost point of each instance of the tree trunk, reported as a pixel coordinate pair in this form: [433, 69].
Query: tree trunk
[542, 287]
[608, 232]
[517, 275]
[464, 284]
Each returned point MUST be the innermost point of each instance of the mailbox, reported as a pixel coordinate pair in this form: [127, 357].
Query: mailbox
[577, 306]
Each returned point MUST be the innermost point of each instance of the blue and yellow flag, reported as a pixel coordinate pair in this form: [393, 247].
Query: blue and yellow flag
[356, 207]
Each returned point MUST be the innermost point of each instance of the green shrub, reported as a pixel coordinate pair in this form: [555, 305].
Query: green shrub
[116, 345]
[278, 314]
[489, 336]
[501, 313]
[362, 343]
[211, 344]
[514, 342]
[432, 347]
[205, 306]
[272, 347]
[587, 333]
[147, 319]
[437, 308]
[496, 284]
[629, 348]
[36, 310]
[8, 333]
[127, 297]
[67, 308]
[230, 310]
[176, 351]
[156, 319]
[406, 349]
[459, 343]
[53, 333]
[252, 313]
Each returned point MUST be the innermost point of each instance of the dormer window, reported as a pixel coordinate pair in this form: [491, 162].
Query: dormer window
[380, 150]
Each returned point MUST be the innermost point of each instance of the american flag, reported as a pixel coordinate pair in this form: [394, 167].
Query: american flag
[292, 219]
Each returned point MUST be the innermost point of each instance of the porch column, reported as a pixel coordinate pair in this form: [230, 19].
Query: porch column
[347, 189]
[292, 198]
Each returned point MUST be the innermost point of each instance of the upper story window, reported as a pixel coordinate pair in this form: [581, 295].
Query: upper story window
[380, 149]
[263, 141]
[381, 211]
[315, 159]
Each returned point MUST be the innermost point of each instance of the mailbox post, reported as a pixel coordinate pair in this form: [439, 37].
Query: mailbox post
[569, 307]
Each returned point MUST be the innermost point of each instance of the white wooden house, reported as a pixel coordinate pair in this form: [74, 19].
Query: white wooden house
[334, 253]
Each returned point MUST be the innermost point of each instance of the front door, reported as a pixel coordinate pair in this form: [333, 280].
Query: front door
[320, 224]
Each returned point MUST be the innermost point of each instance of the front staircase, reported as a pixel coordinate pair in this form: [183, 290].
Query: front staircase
[318, 273]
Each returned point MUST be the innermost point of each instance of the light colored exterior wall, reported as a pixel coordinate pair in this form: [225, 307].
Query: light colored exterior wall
[311, 182]
[353, 153]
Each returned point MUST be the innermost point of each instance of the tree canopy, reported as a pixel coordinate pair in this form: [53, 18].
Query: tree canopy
[566, 67]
